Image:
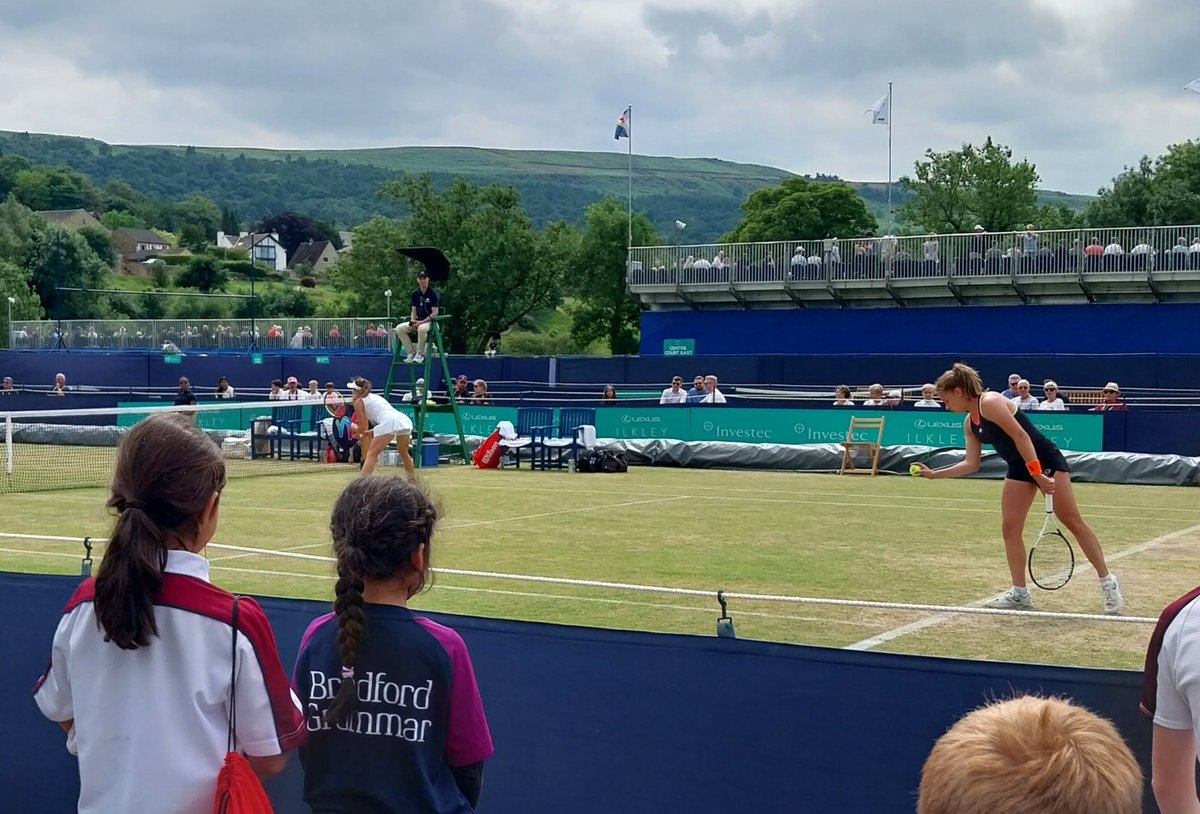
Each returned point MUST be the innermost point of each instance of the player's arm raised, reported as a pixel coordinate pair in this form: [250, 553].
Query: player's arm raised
[967, 466]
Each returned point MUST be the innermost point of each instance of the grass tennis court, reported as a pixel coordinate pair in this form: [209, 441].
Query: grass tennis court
[893, 539]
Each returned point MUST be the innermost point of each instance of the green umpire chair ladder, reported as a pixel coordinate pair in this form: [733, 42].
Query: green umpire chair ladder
[421, 407]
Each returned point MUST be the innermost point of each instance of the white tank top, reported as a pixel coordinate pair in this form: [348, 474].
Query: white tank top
[377, 408]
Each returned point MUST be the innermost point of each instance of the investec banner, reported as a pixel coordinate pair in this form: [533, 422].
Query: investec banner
[935, 428]
[932, 428]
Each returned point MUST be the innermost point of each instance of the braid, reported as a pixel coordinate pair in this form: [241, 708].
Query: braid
[352, 629]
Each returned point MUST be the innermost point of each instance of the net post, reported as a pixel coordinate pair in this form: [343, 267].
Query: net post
[85, 567]
[8, 448]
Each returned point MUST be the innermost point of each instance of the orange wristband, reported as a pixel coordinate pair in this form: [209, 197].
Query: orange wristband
[1034, 467]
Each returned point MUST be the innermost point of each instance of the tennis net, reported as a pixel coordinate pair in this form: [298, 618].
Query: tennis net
[46, 450]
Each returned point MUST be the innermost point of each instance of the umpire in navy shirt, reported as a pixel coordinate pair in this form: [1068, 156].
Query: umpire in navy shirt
[424, 309]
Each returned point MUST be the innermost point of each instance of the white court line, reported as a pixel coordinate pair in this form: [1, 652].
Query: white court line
[937, 619]
[534, 595]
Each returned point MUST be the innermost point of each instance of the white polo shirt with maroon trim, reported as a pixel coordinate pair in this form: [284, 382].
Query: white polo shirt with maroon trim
[150, 724]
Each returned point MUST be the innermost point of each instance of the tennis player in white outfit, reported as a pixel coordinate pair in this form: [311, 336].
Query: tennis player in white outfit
[378, 422]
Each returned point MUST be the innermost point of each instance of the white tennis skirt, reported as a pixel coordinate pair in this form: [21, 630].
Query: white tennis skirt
[395, 424]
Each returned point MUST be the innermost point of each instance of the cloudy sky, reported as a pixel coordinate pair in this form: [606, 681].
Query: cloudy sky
[1081, 87]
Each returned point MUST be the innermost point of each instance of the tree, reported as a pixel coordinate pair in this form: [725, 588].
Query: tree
[957, 189]
[43, 188]
[606, 310]
[101, 243]
[203, 273]
[229, 222]
[118, 219]
[60, 259]
[498, 276]
[14, 282]
[275, 302]
[1154, 193]
[799, 209]
[372, 266]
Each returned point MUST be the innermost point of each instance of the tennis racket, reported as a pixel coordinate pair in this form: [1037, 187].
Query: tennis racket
[1052, 559]
[335, 405]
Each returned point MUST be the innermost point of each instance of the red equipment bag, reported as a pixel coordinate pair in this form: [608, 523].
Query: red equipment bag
[489, 452]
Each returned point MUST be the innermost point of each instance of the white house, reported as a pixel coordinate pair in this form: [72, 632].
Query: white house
[266, 247]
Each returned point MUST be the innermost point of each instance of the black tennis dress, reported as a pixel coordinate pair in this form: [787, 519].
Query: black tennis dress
[1049, 455]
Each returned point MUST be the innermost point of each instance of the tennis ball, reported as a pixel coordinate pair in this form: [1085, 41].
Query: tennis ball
[914, 470]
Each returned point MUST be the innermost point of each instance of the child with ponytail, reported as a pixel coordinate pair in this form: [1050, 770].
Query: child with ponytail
[139, 673]
[394, 715]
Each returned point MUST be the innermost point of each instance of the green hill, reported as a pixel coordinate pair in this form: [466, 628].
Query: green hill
[341, 185]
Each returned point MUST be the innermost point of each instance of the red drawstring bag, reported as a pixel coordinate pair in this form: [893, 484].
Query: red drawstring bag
[488, 454]
[239, 791]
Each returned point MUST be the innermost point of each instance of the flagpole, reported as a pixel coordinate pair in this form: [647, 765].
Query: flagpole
[890, 114]
[629, 127]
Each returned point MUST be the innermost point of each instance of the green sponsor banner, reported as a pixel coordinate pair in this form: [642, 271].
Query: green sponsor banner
[476, 420]
[322, 360]
[934, 428]
[208, 419]
[172, 359]
[256, 358]
[651, 422]
[679, 347]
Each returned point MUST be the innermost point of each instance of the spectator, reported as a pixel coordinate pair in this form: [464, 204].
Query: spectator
[480, 394]
[690, 262]
[8, 386]
[493, 347]
[185, 396]
[275, 332]
[1112, 400]
[417, 394]
[610, 395]
[814, 260]
[675, 394]
[382, 530]
[834, 254]
[928, 397]
[841, 397]
[1051, 400]
[297, 342]
[712, 395]
[1181, 246]
[798, 258]
[1195, 248]
[1030, 240]
[313, 393]
[697, 393]
[1113, 248]
[975, 245]
[60, 385]
[224, 391]
[425, 306]
[894, 399]
[334, 335]
[718, 262]
[1143, 247]
[1010, 392]
[1024, 399]
[140, 661]
[931, 248]
[1171, 697]
[330, 389]
[702, 264]
[993, 253]
[462, 388]
[1033, 755]
[276, 393]
[292, 392]
[1094, 249]
[874, 396]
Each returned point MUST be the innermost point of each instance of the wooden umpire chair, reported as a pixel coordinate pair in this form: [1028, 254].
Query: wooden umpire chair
[853, 442]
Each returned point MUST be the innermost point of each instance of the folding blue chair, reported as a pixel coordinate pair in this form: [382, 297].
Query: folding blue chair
[529, 419]
[561, 438]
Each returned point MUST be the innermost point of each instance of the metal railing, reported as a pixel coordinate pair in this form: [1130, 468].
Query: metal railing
[170, 335]
[978, 254]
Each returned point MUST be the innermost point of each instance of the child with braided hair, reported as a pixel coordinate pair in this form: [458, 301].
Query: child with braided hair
[395, 720]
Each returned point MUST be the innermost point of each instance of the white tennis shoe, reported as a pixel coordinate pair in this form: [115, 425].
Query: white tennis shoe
[1113, 601]
[409, 359]
[1012, 600]
[419, 359]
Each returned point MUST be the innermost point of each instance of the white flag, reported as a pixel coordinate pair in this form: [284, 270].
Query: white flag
[880, 111]
[1193, 86]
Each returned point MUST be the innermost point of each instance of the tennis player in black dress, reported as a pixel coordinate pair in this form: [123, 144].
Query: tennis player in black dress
[1034, 463]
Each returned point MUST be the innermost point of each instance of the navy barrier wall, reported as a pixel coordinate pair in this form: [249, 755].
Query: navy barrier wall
[595, 721]
[1109, 328]
[806, 366]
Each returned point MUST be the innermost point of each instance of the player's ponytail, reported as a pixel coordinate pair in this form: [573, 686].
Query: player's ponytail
[379, 523]
[961, 377]
[166, 472]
